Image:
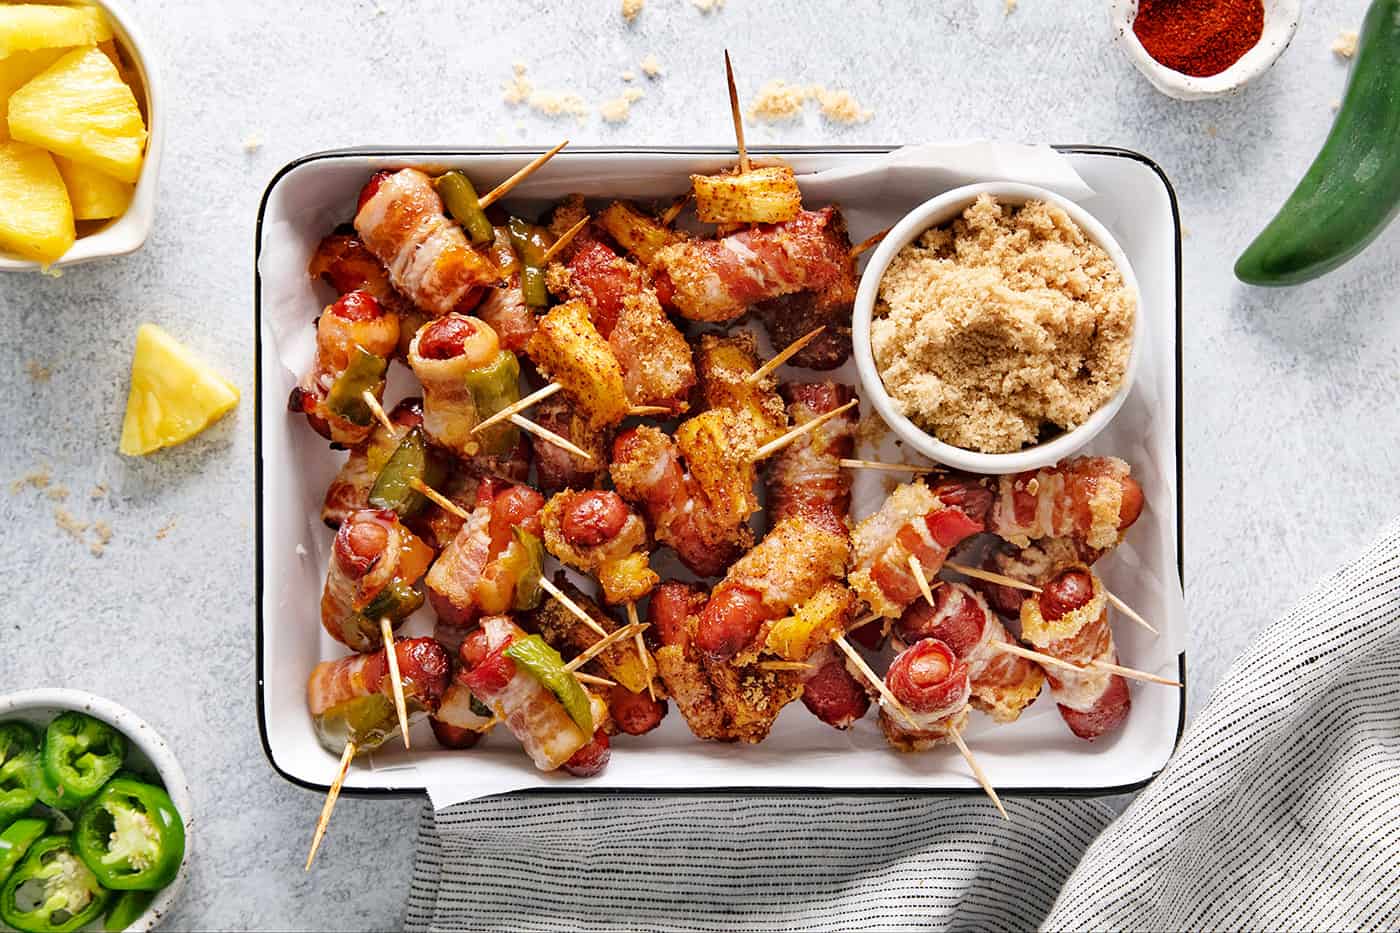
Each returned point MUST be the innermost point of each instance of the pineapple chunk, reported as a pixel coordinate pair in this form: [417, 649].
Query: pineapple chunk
[16, 71]
[174, 394]
[81, 109]
[27, 26]
[36, 220]
[95, 196]
[760, 196]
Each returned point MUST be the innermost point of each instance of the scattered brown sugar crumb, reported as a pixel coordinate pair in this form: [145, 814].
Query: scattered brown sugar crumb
[1005, 321]
[37, 371]
[777, 101]
[517, 90]
[57, 493]
[619, 109]
[99, 491]
[842, 107]
[39, 479]
[651, 66]
[629, 75]
[1344, 46]
[165, 529]
[1008, 7]
[102, 532]
[67, 522]
[707, 6]
[631, 9]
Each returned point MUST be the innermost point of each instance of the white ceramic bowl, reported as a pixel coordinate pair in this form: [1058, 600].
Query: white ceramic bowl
[1280, 23]
[127, 233]
[941, 210]
[147, 748]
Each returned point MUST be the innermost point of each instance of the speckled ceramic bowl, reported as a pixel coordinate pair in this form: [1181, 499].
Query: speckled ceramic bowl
[127, 233]
[148, 752]
[941, 210]
[1280, 23]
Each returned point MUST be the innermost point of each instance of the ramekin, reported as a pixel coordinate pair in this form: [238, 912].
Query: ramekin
[41, 705]
[936, 212]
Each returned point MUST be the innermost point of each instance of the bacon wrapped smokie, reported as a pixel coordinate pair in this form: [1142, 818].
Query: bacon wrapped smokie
[349, 490]
[503, 306]
[719, 279]
[355, 337]
[567, 348]
[523, 682]
[831, 692]
[374, 563]
[351, 700]
[647, 470]
[600, 534]
[1003, 685]
[466, 378]
[655, 359]
[919, 521]
[725, 365]
[401, 220]
[791, 317]
[1091, 499]
[784, 570]
[570, 636]
[344, 263]
[493, 565]
[1069, 620]
[933, 685]
[719, 700]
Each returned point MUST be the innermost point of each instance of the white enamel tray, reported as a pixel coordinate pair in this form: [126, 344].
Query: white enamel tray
[1035, 756]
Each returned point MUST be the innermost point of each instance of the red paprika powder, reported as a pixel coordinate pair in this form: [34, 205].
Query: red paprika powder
[1199, 37]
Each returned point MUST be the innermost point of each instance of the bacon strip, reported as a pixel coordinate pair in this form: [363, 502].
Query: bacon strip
[793, 316]
[719, 279]
[1069, 620]
[1003, 685]
[423, 666]
[1091, 499]
[914, 520]
[401, 220]
[557, 468]
[933, 685]
[832, 693]
[600, 534]
[806, 477]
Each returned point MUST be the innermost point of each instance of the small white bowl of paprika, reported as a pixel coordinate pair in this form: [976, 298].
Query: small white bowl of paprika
[1198, 49]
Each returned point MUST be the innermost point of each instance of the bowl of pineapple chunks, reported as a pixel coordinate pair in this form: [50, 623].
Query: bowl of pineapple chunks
[80, 138]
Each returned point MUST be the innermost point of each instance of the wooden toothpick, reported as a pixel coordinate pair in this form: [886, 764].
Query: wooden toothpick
[788, 353]
[531, 399]
[744, 164]
[778, 444]
[331, 795]
[1105, 666]
[505, 187]
[391, 654]
[548, 586]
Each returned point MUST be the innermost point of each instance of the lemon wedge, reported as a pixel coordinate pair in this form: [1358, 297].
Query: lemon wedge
[174, 394]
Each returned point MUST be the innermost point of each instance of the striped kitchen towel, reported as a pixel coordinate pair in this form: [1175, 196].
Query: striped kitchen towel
[1281, 809]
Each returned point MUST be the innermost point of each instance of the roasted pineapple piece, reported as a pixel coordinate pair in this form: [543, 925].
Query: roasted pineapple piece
[36, 219]
[568, 348]
[759, 196]
[628, 578]
[27, 26]
[637, 233]
[95, 195]
[724, 365]
[816, 622]
[718, 446]
[174, 394]
[80, 108]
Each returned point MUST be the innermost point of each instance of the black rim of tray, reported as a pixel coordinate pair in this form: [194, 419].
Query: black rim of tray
[430, 152]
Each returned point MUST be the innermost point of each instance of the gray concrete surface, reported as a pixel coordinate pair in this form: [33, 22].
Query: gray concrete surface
[1289, 399]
